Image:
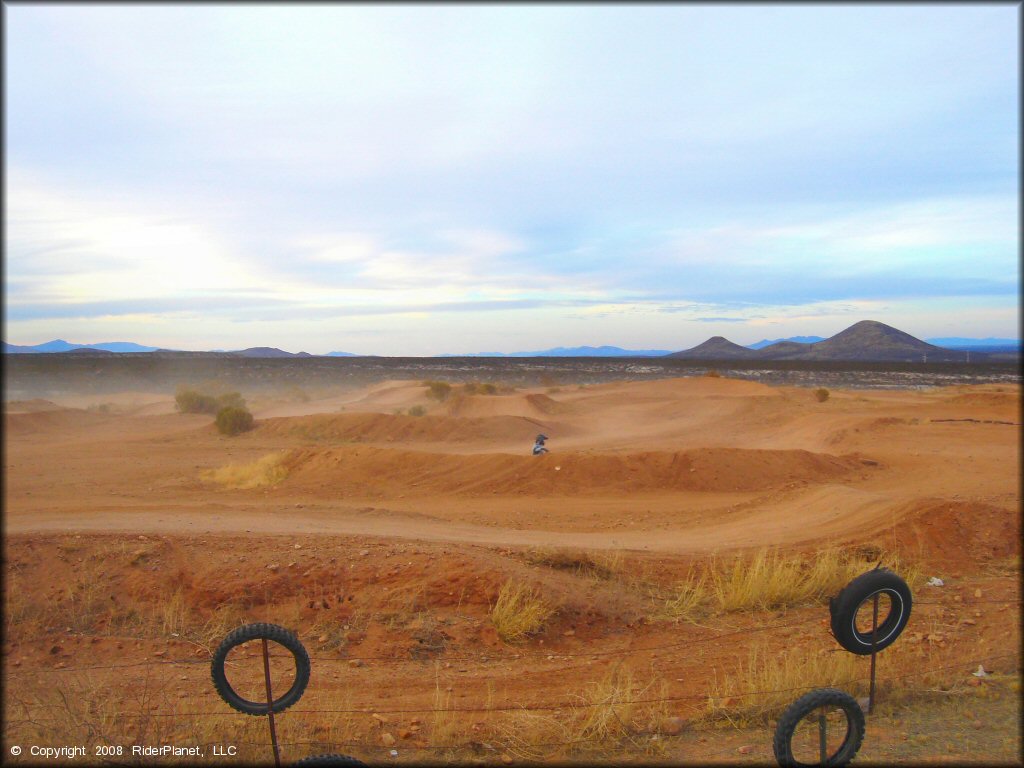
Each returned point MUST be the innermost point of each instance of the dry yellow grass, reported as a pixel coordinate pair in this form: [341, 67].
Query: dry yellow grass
[268, 470]
[519, 612]
[769, 680]
[769, 579]
[606, 714]
[688, 600]
[619, 706]
[772, 678]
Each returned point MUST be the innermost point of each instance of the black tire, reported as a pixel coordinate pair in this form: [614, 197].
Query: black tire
[782, 744]
[845, 606]
[328, 760]
[272, 633]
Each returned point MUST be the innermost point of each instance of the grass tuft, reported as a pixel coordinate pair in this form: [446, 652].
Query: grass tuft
[519, 612]
[269, 470]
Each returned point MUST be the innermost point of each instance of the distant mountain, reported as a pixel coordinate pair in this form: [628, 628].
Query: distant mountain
[989, 344]
[866, 341]
[268, 352]
[717, 348]
[605, 351]
[59, 345]
[18, 349]
[797, 339]
[341, 354]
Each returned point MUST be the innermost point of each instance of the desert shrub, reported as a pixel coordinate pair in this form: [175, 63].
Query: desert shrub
[477, 388]
[233, 421]
[230, 400]
[821, 394]
[518, 612]
[192, 401]
[712, 373]
[438, 390]
[417, 410]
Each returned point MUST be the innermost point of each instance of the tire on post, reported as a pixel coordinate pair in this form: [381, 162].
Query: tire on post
[845, 607]
[271, 633]
[782, 744]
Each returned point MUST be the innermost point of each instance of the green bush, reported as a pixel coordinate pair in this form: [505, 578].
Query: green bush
[191, 401]
[232, 421]
[476, 388]
[821, 394]
[438, 390]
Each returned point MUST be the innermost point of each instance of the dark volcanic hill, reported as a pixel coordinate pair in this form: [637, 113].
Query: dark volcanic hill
[866, 341]
[784, 350]
[871, 340]
[717, 348]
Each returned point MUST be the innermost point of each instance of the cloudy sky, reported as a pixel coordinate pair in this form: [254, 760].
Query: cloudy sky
[419, 180]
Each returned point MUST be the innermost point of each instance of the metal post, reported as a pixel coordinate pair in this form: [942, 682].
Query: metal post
[822, 747]
[270, 703]
[874, 653]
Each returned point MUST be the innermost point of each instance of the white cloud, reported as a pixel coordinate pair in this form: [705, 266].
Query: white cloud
[70, 246]
[329, 160]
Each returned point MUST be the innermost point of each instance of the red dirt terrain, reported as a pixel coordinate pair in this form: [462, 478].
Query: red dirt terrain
[136, 538]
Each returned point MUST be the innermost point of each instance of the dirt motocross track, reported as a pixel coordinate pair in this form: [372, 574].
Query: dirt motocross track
[681, 465]
[664, 473]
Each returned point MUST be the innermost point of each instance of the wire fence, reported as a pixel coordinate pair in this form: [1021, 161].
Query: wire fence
[960, 663]
[521, 655]
[509, 743]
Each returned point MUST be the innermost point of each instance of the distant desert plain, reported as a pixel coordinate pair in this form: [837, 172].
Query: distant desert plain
[670, 562]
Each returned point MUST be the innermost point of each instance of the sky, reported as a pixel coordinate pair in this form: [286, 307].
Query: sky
[413, 180]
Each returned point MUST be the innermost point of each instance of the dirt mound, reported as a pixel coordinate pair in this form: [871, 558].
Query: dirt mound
[953, 533]
[31, 406]
[987, 399]
[389, 395]
[855, 432]
[571, 474]
[387, 428]
[546, 405]
[525, 406]
[50, 421]
[718, 385]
